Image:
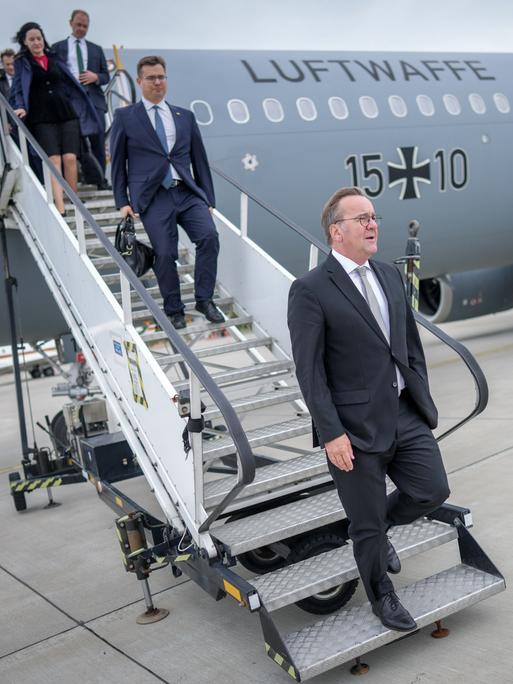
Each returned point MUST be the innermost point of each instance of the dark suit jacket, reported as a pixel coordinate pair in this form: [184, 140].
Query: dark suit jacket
[97, 63]
[345, 367]
[139, 162]
[4, 85]
[19, 97]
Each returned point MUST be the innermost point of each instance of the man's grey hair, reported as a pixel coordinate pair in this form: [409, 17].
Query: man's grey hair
[331, 212]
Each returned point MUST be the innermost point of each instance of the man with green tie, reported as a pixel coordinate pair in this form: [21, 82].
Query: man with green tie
[87, 63]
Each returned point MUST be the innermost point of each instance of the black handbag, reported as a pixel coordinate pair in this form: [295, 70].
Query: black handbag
[138, 256]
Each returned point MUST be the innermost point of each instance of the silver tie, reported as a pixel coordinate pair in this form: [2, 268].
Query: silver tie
[369, 295]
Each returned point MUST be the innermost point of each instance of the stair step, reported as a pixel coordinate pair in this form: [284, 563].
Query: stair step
[280, 523]
[96, 200]
[246, 373]
[203, 327]
[351, 632]
[153, 290]
[86, 192]
[258, 401]
[268, 478]
[327, 570]
[278, 432]
[114, 277]
[227, 348]
[139, 314]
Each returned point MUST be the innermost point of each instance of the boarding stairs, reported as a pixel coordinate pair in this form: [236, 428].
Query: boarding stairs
[282, 519]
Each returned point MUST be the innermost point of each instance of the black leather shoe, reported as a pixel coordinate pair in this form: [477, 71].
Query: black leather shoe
[393, 614]
[210, 311]
[393, 562]
[177, 320]
[104, 185]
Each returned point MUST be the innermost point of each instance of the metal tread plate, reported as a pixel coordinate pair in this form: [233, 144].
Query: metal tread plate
[190, 307]
[354, 631]
[280, 523]
[258, 401]
[245, 373]
[278, 432]
[269, 477]
[227, 348]
[327, 570]
[201, 328]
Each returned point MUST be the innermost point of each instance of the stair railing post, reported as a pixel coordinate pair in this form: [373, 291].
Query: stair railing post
[243, 215]
[79, 222]
[313, 259]
[47, 177]
[126, 299]
[23, 147]
[196, 441]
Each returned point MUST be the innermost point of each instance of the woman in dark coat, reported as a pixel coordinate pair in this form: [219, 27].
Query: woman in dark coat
[55, 108]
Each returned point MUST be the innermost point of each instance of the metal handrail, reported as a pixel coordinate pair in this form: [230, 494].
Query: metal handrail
[246, 459]
[460, 349]
[110, 90]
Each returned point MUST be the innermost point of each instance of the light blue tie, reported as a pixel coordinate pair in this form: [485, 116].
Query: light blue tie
[160, 131]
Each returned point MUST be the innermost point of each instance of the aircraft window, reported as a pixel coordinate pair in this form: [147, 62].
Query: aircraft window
[397, 106]
[238, 111]
[477, 103]
[452, 104]
[502, 103]
[425, 105]
[306, 108]
[203, 112]
[369, 107]
[273, 110]
[338, 108]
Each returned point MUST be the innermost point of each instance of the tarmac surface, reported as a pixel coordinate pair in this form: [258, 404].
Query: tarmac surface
[68, 608]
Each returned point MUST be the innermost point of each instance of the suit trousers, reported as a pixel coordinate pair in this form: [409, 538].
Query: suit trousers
[160, 219]
[414, 465]
[98, 141]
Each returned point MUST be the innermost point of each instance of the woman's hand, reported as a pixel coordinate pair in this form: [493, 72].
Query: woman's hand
[21, 113]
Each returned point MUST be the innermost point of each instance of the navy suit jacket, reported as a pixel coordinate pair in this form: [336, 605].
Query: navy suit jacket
[96, 63]
[344, 364]
[139, 163]
[20, 90]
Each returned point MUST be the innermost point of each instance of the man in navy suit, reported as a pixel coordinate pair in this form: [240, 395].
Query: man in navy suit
[87, 63]
[361, 368]
[153, 146]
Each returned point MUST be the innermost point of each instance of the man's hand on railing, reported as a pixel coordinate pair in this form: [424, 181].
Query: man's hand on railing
[127, 211]
[21, 113]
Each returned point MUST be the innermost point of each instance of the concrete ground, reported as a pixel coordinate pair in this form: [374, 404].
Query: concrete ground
[68, 608]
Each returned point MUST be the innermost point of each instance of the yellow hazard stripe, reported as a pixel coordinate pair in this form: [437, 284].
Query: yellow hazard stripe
[31, 485]
[280, 660]
[232, 590]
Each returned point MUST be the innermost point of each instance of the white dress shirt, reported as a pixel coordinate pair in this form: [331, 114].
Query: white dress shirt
[169, 125]
[350, 267]
[72, 55]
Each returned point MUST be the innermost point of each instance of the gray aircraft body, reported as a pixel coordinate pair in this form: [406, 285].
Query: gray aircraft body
[428, 136]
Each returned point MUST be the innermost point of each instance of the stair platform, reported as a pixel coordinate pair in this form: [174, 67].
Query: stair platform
[327, 570]
[278, 432]
[354, 631]
[269, 478]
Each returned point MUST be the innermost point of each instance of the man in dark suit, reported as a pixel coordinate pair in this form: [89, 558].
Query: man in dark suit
[87, 63]
[153, 146]
[361, 368]
[7, 75]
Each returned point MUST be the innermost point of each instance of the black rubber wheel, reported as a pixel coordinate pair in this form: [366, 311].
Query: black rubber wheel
[333, 599]
[20, 503]
[59, 430]
[48, 372]
[261, 560]
[35, 372]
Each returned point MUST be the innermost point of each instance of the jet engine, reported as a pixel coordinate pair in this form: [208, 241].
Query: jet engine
[457, 296]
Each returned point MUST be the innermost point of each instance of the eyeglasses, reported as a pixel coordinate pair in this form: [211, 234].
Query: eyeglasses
[364, 219]
[154, 79]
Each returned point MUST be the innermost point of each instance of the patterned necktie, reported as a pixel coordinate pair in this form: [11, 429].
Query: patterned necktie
[372, 301]
[80, 58]
[161, 133]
